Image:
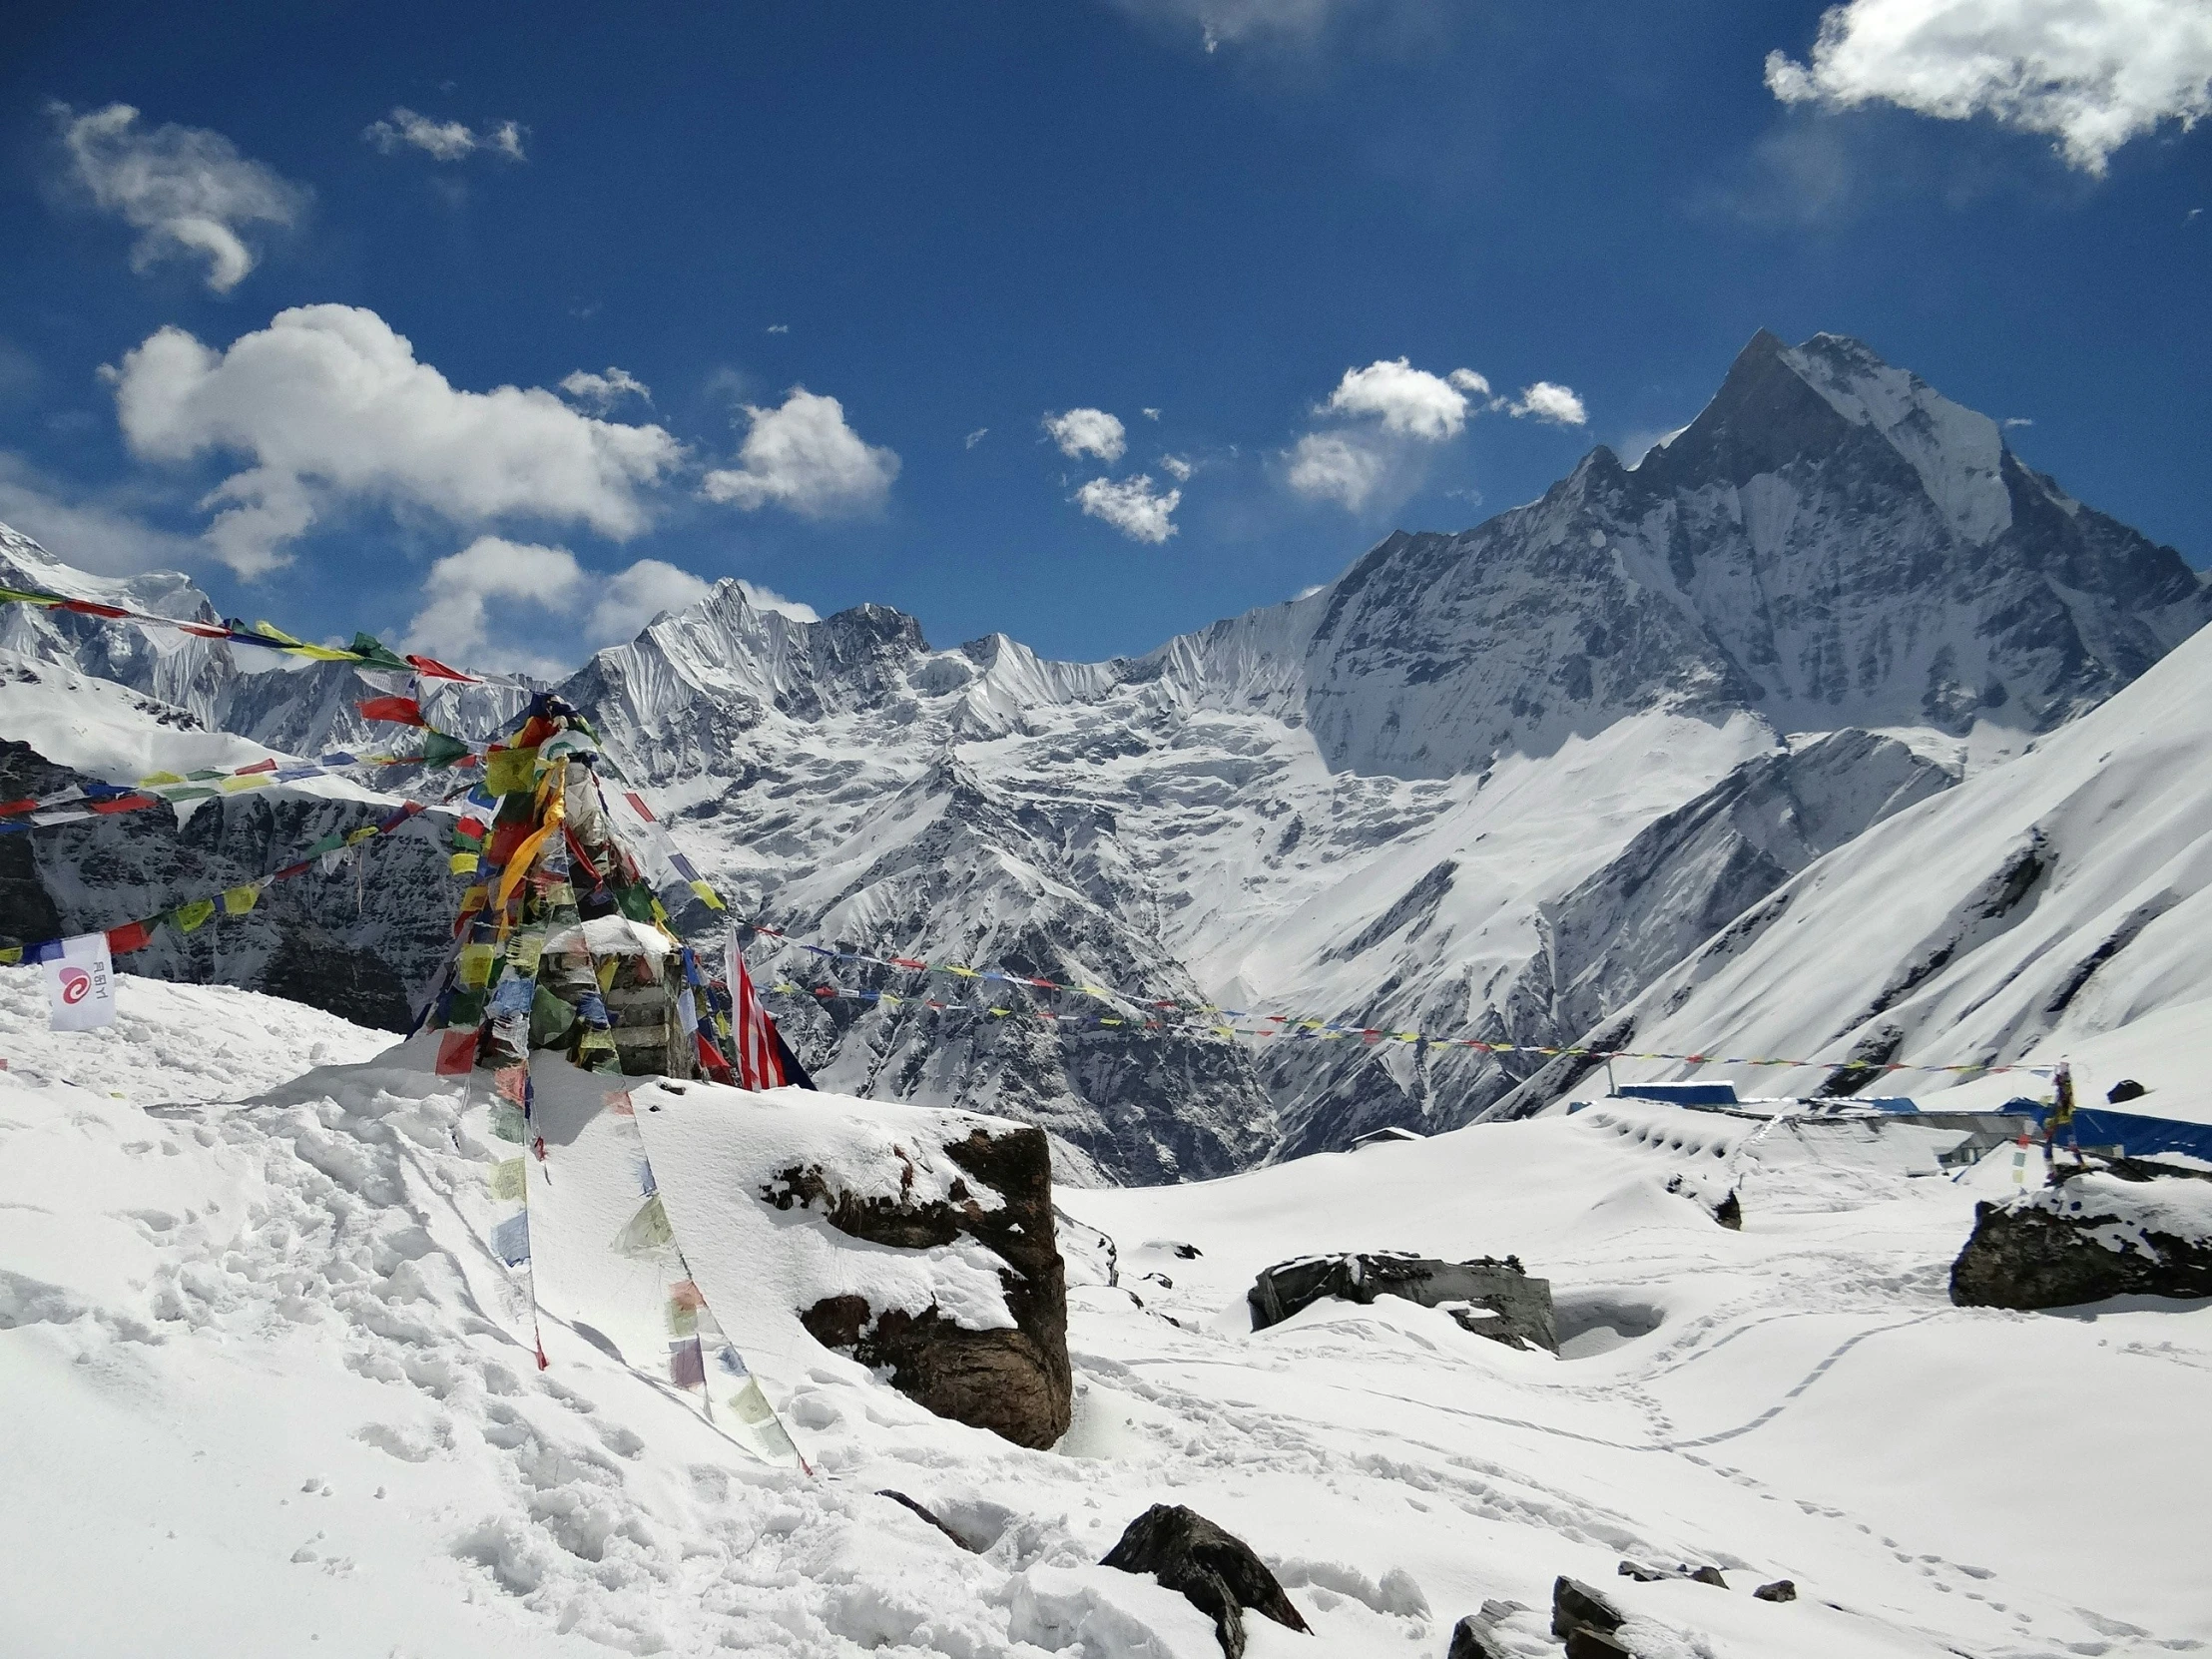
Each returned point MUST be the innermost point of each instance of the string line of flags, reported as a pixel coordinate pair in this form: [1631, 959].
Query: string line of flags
[194, 913]
[364, 652]
[441, 749]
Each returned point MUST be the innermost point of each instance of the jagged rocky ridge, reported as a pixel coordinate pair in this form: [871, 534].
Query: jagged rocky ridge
[1494, 783]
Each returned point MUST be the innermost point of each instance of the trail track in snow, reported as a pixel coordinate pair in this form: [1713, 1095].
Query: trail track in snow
[240, 1326]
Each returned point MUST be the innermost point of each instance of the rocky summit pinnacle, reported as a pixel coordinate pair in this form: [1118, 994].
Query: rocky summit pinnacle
[1490, 784]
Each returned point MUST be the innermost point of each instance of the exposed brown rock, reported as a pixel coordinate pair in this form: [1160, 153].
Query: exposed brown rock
[1016, 1382]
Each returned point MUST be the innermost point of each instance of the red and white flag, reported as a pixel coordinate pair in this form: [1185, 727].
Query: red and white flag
[759, 1060]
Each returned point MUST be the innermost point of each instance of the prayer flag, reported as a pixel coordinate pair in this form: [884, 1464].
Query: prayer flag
[80, 984]
[398, 711]
[759, 1061]
[456, 1053]
[195, 915]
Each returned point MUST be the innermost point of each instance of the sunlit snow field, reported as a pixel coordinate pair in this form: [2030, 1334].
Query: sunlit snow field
[268, 1392]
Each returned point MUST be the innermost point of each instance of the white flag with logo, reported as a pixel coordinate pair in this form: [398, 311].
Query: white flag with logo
[80, 984]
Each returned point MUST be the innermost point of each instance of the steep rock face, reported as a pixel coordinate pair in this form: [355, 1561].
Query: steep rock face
[1492, 783]
[361, 938]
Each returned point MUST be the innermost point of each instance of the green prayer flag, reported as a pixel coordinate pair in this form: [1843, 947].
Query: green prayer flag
[438, 749]
[194, 916]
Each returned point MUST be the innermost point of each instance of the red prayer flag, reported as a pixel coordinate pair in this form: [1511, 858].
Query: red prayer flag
[132, 935]
[401, 710]
[122, 803]
[438, 670]
[456, 1053]
[758, 1064]
[258, 765]
[86, 606]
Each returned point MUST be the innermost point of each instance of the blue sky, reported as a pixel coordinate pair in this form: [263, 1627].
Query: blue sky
[261, 327]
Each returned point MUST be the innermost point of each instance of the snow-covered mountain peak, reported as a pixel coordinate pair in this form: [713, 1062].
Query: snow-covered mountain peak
[1957, 453]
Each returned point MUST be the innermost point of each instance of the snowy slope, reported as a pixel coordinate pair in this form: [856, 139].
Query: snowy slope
[286, 1403]
[2059, 905]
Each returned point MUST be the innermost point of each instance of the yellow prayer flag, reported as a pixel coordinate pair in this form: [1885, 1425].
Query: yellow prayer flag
[253, 781]
[301, 648]
[506, 1179]
[195, 915]
[509, 771]
[525, 855]
[523, 951]
[477, 960]
[462, 863]
[157, 778]
[707, 895]
[238, 901]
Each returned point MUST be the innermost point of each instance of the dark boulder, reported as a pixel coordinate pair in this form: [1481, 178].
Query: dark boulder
[1216, 1572]
[1491, 1298]
[1782, 1589]
[1586, 1643]
[2109, 1230]
[1706, 1575]
[1474, 1638]
[1575, 1606]
[1014, 1383]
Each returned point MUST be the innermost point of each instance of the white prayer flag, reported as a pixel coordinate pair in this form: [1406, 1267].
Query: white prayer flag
[80, 985]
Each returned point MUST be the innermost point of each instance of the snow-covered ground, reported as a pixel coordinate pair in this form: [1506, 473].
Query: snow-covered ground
[269, 1392]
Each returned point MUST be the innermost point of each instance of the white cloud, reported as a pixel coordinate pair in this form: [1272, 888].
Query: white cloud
[482, 606]
[601, 392]
[1131, 506]
[101, 537]
[446, 141]
[455, 622]
[1088, 432]
[778, 327]
[768, 599]
[1176, 467]
[630, 598]
[186, 190]
[2093, 73]
[805, 458]
[327, 402]
[1550, 401]
[2010, 421]
[1408, 399]
[1150, 414]
[1340, 466]
[975, 437]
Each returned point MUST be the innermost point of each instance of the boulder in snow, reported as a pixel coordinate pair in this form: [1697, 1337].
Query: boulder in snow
[1577, 1606]
[1490, 1298]
[1215, 1571]
[987, 1199]
[1473, 1637]
[2107, 1231]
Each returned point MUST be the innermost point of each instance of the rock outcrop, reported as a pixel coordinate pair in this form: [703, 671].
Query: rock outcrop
[1490, 1298]
[2100, 1233]
[1014, 1381]
[1215, 1571]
